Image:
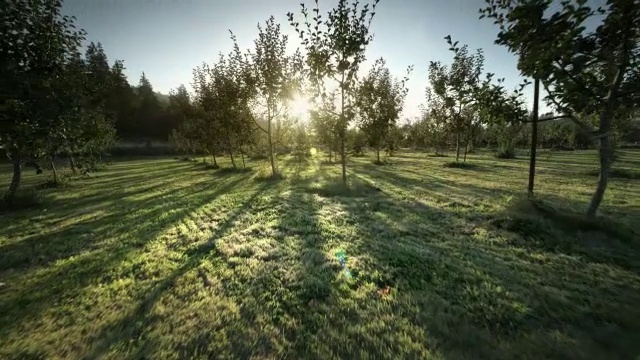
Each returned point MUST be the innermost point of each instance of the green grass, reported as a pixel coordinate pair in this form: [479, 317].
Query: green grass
[161, 258]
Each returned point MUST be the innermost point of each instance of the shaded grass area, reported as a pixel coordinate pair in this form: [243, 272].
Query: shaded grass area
[166, 259]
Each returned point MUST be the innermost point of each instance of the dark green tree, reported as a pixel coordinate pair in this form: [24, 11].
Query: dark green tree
[36, 44]
[585, 70]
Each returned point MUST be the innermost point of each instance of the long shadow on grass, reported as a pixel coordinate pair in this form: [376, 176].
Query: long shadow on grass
[132, 325]
[470, 307]
[33, 289]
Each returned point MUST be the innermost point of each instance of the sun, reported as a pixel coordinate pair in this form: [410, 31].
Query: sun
[300, 106]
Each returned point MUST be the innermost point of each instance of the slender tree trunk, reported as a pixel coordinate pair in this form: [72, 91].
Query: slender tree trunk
[215, 162]
[457, 145]
[606, 146]
[55, 171]
[16, 179]
[378, 153]
[466, 146]
[273, 163]
[343, 156]
[534, 137]
[72, 165]
[242, 154]
[233, 162]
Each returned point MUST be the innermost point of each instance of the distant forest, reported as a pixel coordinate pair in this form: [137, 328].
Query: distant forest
[140, 113]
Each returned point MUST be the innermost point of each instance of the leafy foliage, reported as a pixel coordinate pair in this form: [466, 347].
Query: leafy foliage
[584, 70]
[380, 100]
[335, 48]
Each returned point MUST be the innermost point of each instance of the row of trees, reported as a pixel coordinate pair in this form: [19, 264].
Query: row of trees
[52, 100]
[591, 78]
[57, 100]
[245, 94]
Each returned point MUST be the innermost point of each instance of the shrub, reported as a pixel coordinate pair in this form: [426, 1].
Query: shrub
[460, 165]
[506, 154]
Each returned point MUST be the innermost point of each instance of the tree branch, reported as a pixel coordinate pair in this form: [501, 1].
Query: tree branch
[258, 126]
[570, 116]
[550, 118]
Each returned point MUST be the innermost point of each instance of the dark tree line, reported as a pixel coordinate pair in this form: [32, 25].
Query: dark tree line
[58, 100]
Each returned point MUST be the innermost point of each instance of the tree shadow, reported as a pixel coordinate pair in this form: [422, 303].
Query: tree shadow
[484, 310]
[132, 326]
[59, 270]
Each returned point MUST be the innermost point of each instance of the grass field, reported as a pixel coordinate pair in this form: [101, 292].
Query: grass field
[160, 258]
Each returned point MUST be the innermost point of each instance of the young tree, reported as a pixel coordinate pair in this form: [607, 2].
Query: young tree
[456, 86]
[204, 128]
[380, 99]
[275, 74]
[335, 49]
[584, 70]
[435, 118]
[324, 125]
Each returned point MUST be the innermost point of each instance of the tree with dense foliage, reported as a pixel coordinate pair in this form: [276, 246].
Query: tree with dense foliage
[456, 86]
[335, 48]
[380, 100]
[584, 70]
[38, 69]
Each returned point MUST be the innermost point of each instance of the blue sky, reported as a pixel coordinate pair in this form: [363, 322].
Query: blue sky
[168, 38]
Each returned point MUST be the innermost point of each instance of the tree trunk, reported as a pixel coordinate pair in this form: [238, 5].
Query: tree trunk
[534, 137]
[457, 146]
[242, 154]
[606, 148]
[273, 163]
[55, 172]
[343, 127]
[233, 162]
[343, 159]
[378, 153]
[72, 165]
[466, 146]
[15, 180]
[271, 155]
[215, 162]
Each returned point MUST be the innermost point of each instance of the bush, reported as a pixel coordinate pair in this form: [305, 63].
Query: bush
[23, 199]
[460, 165]
[506, 154]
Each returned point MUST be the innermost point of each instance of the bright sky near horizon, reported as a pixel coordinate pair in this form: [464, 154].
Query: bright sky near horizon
[167, 39]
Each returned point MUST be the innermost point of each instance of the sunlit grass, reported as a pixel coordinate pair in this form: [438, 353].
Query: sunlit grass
[168, 259]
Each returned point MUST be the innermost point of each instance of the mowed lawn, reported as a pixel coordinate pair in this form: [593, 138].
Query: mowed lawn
[161, 258]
